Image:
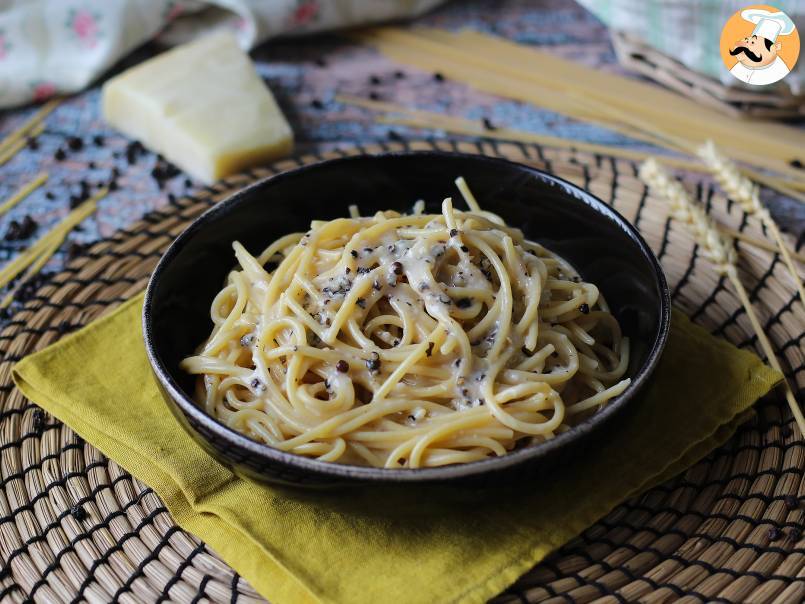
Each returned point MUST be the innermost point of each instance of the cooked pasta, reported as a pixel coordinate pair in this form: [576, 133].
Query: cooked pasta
[407, 340]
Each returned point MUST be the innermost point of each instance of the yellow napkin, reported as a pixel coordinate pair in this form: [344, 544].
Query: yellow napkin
[378, 545]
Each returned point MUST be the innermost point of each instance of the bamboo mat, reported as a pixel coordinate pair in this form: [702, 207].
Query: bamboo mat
[74, 526]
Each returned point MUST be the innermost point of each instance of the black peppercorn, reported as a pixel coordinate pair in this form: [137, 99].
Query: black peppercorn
[39, 421]
[373, 363]
[584, 309]
[397, 268]
[438, 77]
[59, 155]
[317, 104]
[21, 230]
[98, 140]
[75, 143]
[374, 96]
[464, 302]
[453, 232]
[78, 513]
[374, 80]
[342, 366]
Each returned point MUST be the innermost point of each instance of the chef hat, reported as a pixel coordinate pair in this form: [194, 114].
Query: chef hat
[768, 25]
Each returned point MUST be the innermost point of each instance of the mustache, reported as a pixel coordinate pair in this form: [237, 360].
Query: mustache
[749, 54]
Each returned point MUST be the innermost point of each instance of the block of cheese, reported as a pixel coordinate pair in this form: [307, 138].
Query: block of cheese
[203, 106]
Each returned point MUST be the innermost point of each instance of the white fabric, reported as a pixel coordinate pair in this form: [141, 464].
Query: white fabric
[49, 47]
[767, 28]
[768, 24]
[763, 75]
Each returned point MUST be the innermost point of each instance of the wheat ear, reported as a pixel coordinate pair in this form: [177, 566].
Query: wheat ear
[720, 251]
[746, 193]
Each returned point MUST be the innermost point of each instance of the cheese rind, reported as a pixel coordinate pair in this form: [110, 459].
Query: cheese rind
[201, 105]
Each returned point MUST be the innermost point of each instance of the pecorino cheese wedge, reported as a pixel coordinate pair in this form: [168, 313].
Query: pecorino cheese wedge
[203, 106]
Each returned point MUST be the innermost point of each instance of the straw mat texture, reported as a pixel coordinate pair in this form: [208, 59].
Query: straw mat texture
[76, 527]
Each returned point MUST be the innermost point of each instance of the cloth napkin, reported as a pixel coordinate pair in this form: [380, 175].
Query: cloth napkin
[385, 545]
[49, 47]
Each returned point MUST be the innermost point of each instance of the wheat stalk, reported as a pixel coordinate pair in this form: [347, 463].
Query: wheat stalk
[720, 251]
[746, 193]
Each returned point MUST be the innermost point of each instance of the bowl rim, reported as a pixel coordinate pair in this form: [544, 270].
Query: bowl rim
[396, 475]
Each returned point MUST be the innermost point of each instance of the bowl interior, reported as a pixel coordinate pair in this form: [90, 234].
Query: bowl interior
[602, 246]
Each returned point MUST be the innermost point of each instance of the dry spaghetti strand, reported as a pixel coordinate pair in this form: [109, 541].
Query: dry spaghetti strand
[511, 70]
[419, 118]
[425, 119]
[45, 244]
[23, 192]
[30, 124]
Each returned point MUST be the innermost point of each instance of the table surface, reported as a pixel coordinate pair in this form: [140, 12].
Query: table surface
[305, 74]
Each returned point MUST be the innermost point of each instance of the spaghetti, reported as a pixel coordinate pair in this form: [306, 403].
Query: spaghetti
[407, 341]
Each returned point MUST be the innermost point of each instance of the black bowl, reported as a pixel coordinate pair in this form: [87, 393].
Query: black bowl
[597, 240]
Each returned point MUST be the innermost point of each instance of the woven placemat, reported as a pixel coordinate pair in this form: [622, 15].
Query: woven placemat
[75, 526]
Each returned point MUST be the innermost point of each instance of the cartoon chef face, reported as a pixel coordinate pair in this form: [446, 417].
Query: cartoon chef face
[755, 51]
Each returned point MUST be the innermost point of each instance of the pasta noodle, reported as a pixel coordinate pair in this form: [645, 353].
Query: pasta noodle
[497, 66]
[407, 340]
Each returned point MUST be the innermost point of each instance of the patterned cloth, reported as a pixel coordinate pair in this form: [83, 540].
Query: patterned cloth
[50, 47]
[690, 30]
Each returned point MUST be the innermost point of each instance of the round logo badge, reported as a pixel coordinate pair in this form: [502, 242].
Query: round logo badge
[759, 45]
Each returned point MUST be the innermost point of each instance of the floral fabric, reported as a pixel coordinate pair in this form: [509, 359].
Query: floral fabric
[50, 47]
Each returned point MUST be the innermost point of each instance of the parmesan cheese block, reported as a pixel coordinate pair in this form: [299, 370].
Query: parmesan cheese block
[201, 105]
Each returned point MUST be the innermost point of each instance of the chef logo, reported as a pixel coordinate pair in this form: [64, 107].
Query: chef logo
[759, 45]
